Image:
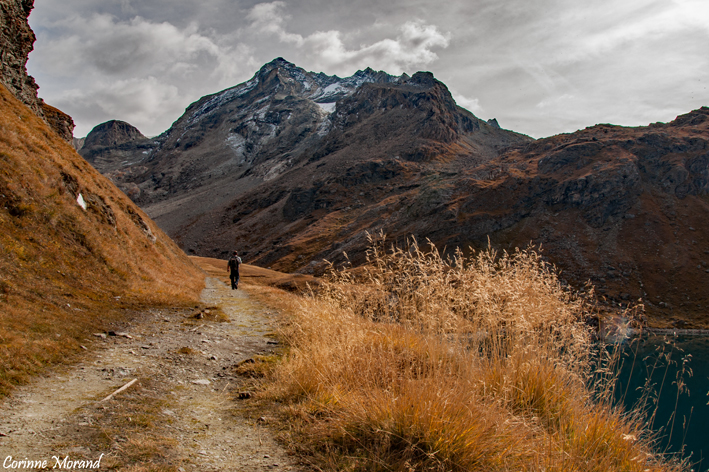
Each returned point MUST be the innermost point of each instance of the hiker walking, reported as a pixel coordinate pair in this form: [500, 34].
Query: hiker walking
[233, 267]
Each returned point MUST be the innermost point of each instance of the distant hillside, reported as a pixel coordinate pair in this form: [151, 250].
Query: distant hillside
[626, 208]
[75, 250]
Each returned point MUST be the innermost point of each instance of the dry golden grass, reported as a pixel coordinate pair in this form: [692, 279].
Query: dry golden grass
[65, 271]
[480, 363]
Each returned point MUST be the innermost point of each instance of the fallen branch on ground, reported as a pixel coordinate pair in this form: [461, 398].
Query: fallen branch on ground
[119, 390]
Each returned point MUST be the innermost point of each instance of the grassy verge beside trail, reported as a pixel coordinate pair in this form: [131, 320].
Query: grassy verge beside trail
[482, 363]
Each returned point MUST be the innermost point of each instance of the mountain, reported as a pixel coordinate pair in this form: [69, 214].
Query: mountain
[294, 167]
[283, 119]
[113, 145]
[289, 141]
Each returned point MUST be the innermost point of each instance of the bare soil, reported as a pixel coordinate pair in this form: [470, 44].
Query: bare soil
[184, 412]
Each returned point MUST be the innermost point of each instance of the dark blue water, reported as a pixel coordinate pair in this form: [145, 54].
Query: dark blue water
[664, 363]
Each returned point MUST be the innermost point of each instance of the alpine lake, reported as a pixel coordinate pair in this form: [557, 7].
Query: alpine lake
[669, 375]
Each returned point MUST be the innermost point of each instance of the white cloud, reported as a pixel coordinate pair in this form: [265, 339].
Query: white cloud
[470, 104]
[126, 49]
[139, 71]
[139, 101]
[326, 51]
[268, 18]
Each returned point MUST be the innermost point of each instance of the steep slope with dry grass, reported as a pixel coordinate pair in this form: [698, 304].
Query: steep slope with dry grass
[75, 250]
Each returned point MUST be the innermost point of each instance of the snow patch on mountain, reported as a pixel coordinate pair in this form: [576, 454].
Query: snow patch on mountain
[327, 107]
[237, 144]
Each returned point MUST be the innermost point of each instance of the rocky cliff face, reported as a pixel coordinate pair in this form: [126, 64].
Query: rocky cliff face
[59, 121]
[626, 208]
[16, 42]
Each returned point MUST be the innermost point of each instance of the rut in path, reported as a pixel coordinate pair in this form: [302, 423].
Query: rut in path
[185, 394]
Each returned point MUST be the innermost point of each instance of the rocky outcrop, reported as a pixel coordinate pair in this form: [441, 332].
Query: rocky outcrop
[59, 121]
[16, 42]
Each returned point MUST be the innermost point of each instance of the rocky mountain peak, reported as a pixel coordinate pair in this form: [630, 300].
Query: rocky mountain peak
[112, 133]
[286, 79]
[282, 120]
[281, 68]
[278, 63]
[424, 79]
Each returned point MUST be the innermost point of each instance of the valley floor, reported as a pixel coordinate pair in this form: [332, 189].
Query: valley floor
[182, 414]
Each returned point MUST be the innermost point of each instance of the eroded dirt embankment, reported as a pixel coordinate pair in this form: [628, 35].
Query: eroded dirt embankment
[182, 414]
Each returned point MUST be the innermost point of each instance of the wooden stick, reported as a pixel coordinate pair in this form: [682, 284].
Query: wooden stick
[120, 390]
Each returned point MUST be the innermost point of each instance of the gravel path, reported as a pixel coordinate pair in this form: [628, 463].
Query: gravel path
[182, 414]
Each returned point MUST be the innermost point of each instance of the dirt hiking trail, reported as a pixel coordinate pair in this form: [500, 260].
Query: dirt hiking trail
[182, 414]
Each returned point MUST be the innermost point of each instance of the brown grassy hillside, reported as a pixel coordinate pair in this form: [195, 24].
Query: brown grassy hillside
[65, 270]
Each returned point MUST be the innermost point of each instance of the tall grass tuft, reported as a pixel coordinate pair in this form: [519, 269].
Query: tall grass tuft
[417, 362]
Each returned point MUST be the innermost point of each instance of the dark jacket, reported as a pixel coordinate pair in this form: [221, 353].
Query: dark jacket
[234, 264]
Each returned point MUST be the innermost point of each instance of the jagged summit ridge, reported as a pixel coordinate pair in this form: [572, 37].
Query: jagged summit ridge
[289, 79]
[277, 80]
[285, 116]
[284, 97]
[260, 126]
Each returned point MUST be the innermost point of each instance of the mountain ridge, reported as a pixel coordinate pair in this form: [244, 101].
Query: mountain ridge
[398, 155]
[247, 136]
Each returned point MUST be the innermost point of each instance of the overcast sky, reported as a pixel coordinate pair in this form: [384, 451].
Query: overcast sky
[541, 67]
